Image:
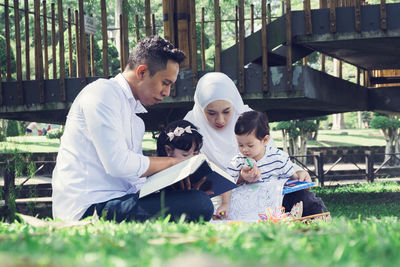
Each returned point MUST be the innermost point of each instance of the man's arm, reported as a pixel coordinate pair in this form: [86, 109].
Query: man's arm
[160, 163]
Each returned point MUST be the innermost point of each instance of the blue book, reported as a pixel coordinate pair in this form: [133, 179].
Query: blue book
[295, 185]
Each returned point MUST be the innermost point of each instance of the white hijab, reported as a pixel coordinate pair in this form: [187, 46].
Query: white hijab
[219, 146]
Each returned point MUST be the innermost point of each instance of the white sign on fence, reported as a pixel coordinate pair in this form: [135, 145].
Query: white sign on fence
[90, 25]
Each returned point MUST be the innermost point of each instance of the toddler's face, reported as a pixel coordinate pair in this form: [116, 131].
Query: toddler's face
[252, 147]
[182, 154]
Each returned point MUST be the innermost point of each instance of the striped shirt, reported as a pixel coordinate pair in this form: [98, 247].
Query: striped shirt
[274, 164]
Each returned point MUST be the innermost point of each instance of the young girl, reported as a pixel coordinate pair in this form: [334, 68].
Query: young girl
[262, 182]
[180, 139]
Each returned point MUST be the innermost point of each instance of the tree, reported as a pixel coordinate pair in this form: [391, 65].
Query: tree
[389, 126]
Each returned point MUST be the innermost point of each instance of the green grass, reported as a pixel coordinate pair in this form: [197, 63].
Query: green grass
[355, 237]
[326, 138]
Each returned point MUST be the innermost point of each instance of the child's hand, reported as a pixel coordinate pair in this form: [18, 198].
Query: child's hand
[222, 212]
[302, 175]
[249, 174]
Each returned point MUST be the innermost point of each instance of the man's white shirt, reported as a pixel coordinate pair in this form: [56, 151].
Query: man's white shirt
[100, 156]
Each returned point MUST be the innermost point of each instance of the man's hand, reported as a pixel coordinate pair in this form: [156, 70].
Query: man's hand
[249, 174]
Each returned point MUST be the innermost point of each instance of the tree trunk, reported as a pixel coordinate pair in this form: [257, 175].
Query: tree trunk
[338, 122]
[284, 141]
[359, 118]
[303, 148]
[389, 144]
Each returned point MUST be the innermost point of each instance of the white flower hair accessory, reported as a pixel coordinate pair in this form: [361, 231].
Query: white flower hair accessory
[179, 131]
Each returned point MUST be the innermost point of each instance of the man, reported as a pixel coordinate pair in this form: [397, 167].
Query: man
[100, 166]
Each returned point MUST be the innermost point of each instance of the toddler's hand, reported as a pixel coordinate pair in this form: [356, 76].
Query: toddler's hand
[222, 212]
[249, 174]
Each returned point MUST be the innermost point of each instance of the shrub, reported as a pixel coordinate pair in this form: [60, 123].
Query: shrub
[12, 128]
[55, 133]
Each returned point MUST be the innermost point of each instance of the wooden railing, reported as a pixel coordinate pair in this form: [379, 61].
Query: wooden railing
[181, 30]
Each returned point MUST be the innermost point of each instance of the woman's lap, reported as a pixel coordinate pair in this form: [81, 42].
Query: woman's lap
[193, 203]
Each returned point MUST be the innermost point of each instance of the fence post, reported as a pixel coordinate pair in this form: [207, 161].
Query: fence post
[319, 166]
[369, 165]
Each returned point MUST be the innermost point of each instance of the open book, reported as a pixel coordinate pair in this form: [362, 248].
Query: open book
[295, 185]
[217, 181]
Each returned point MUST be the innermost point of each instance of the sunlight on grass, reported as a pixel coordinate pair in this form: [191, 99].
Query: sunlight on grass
[29, 144]
[326, 138]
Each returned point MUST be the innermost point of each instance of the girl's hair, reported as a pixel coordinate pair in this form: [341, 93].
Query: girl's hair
[179, 134]
[252, 121]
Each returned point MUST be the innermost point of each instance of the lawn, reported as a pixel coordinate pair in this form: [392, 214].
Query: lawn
[365, 231]
[326, 138]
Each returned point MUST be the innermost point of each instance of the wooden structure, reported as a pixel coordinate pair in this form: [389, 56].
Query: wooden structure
[261, 63]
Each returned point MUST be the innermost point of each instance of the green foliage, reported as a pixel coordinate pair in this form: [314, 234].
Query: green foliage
[384, 122]
[55, 133]
[12, 128]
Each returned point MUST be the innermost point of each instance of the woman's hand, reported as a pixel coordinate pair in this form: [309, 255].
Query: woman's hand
[249, 174]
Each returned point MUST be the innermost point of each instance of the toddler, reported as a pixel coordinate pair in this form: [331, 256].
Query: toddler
[261, 180]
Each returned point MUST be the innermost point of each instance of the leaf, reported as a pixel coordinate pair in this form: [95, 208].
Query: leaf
[35, 222]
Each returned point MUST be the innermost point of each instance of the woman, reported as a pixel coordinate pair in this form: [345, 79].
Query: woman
[217, 106]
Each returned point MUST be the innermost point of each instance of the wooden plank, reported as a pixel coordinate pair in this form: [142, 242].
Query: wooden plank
[307, 17]
[183, 31]
[61, 50]
[45, 41]
[105, 37]
[323, 4]
[53, 40]
[383, 15]
[18, 52]
[92, 71]
[153, 24]
[125, 31]
[121, 43]
[203, 46]
[252, 18]
[217, 32]
[1, 89]
[70, 61]
[7, 35]
[241, 47]
[171, 22]
[357, 15]
[236, 24]
[27, 44]
[289, 67]
[332, 16]
[264, 34]
[137, 28]
[38, 52]
[77, 44]
[147, 17]
[193, 41]
[165, 6]
[83, 49]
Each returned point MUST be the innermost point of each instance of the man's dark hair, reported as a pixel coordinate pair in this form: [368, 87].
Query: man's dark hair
[252, 121]
[155, 52]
